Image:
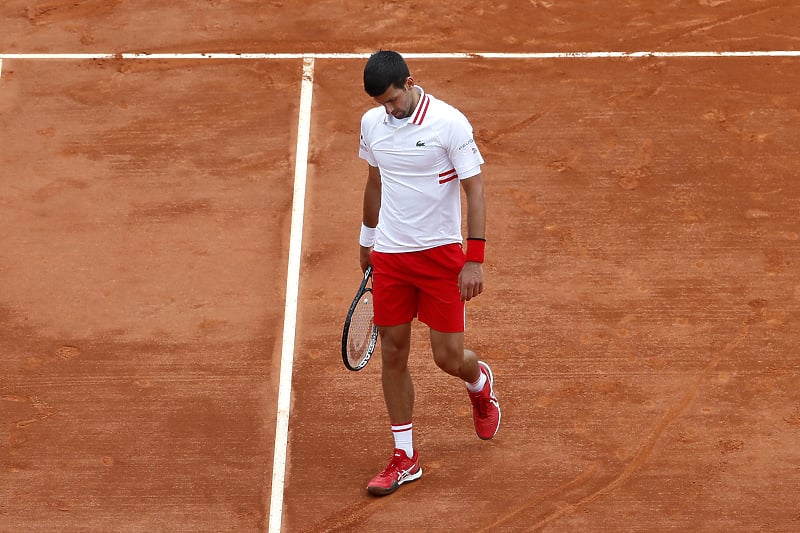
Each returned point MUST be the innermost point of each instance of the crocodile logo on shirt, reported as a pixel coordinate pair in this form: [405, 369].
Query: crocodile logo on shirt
[420, 143]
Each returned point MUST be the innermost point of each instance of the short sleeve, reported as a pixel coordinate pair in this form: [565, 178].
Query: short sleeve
[462, 149]
[364, 150]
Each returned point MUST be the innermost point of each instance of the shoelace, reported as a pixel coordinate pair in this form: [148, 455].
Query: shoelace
[392, 466]
[481, 403]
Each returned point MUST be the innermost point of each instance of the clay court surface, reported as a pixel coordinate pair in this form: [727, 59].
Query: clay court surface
[643, 295]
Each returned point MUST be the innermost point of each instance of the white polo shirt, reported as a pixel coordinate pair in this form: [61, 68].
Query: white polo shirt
[421, 159]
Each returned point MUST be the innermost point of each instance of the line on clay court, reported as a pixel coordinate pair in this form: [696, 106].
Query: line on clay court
[457, 55]
[292, 291]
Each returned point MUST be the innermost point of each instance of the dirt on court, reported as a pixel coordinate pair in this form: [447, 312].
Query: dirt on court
[642, 297]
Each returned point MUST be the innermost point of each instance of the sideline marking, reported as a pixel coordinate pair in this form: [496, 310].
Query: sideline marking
[292, 290]
[458, 55]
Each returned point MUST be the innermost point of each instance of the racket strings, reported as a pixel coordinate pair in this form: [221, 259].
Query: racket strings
[359, 335]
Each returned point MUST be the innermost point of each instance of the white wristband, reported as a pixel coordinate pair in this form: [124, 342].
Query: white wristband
[367, 237]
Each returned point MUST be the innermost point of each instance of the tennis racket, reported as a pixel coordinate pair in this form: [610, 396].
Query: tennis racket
[360, 334]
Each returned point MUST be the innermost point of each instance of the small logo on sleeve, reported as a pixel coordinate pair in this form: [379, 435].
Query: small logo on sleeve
[471, 141]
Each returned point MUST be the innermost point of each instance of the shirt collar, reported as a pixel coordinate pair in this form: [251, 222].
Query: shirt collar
[417, 116]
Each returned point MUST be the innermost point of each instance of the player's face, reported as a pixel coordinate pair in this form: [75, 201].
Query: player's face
[398, 102]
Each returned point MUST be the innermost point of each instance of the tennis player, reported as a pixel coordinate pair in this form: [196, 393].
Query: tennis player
[421, 154]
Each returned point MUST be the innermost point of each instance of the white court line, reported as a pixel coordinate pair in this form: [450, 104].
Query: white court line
[459, 55]
[292, 290]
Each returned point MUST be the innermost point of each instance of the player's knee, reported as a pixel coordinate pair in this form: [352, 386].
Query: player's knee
[449, 360]
[394, 356]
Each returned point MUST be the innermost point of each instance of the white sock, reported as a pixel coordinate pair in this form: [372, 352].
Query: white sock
[478, 385]
[404, 437]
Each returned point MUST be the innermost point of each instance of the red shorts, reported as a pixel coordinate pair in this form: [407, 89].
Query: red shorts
[423, 284]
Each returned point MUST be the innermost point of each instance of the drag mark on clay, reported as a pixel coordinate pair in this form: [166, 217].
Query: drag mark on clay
[55, 11]
[652, 438]
[710, 26]
[491, 137]
[346, 519]
[42, 410]
[67, 352]
[579, 480]
[630, 178]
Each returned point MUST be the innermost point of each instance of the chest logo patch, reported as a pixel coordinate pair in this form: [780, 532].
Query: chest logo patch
[420, 143]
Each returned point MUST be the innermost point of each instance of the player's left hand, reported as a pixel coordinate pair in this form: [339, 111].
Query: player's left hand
[470, 280]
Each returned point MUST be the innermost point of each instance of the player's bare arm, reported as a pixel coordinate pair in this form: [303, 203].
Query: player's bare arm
[470, 280]
[372, 206]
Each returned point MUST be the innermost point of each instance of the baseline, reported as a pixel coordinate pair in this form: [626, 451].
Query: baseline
[412, 55]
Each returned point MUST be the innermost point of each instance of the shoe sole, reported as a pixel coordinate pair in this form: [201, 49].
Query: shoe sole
[491, 386]
[380, 491]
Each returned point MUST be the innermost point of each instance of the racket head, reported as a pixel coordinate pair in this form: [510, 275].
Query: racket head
[359, 335]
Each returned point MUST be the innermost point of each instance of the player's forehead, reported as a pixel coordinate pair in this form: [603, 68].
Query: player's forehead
[390, 94]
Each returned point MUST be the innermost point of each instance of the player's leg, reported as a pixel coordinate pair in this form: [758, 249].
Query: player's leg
[398, 389]
[398, 392]
[395, 303]
[441, 307]
[449, 355]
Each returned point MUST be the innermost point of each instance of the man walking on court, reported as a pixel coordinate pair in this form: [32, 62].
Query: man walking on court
[421, 153]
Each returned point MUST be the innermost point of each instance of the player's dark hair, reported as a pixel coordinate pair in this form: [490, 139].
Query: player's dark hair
[384, 68]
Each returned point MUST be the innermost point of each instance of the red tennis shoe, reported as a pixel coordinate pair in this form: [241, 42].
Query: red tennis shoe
[485, 407]
[401, 469]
